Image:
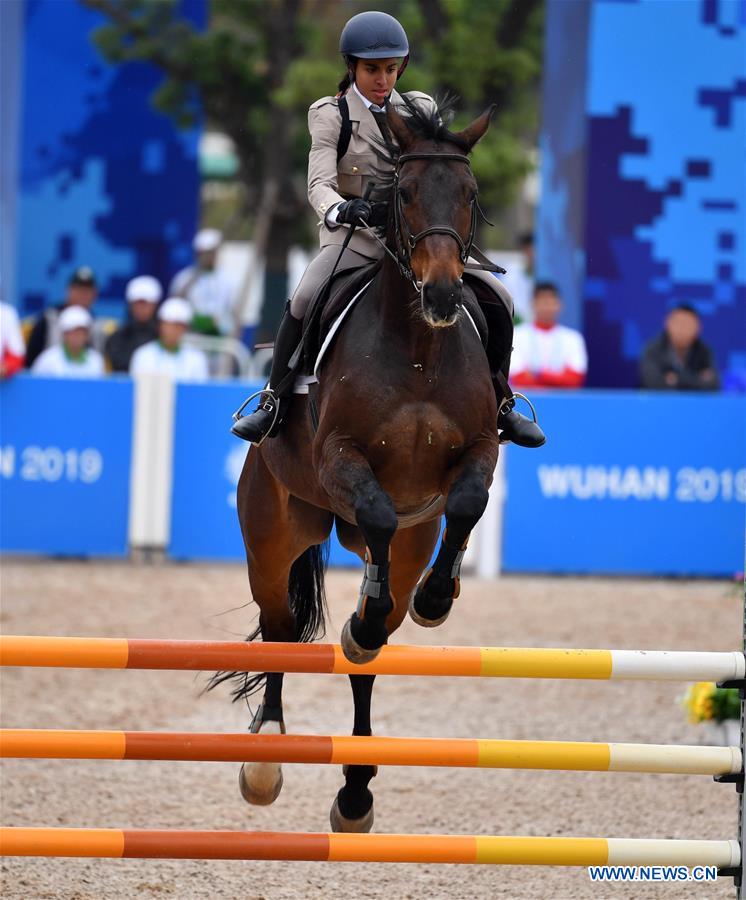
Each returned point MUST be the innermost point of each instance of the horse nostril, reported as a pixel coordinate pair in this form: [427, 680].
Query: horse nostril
[442, 300]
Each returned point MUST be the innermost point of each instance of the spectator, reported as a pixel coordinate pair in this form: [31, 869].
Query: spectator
[169, 355]
[72, 357]
[143, 296]
[547, 354]
[678, 360]
[12, 346]
[209, 291]
[519, 280]
[81, 291]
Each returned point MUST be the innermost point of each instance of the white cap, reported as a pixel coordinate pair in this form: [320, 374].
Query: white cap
[207, 239]
[144, 287]
[74, 317]
[175, 310]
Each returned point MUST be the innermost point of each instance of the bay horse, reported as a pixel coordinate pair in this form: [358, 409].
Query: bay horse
[407, 431]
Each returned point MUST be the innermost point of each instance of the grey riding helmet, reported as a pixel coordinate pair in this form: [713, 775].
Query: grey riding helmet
[374, 35]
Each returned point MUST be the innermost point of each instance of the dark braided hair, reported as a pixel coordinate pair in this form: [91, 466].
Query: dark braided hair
[351, 61]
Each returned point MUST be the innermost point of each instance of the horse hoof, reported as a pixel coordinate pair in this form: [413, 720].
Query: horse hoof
[260, 783]
[420, 620]
[353, 651]
[356, 826]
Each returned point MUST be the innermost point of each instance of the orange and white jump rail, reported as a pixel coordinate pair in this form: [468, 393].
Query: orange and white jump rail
[385, 848]
[18, 743]
[496, 662]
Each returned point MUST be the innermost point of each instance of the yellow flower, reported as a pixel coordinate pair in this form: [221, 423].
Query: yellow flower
[698, 701]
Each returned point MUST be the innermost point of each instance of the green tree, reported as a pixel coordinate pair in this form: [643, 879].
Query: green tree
[260, 63]
[230, 74]
[485, 51]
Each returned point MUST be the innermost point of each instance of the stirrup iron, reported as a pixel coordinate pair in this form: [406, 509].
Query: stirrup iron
[272, 404]
[508, 404]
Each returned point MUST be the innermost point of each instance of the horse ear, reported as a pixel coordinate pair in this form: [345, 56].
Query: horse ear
[399, 129]
[478, 128]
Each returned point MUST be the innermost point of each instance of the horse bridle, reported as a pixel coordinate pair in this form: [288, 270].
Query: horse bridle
[405, 240]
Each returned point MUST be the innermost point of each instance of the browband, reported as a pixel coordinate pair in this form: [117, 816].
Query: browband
[454, 157]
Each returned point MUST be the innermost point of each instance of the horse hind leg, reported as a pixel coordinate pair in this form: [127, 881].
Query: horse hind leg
[286, 565]
[261, 782]
[352, 810]
[431, 603]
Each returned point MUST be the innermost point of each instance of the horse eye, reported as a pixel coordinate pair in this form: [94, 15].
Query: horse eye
[405, 196]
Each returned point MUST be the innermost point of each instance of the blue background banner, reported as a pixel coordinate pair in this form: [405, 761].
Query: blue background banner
[207, 464]
[65, 458]
[101, 177]
[643, 192]
[630, 483]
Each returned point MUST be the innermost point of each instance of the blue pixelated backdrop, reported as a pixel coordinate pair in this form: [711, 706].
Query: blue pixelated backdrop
[643, 182]
[102, 178]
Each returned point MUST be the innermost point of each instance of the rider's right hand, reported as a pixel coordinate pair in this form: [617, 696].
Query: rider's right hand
[351, 212]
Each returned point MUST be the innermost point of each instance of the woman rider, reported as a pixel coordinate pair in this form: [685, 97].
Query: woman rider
[376, 50]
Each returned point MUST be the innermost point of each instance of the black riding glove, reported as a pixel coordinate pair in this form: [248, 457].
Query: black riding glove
[352, 211]
[379, 215]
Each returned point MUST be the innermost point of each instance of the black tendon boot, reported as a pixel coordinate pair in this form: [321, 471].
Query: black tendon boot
[265, 421]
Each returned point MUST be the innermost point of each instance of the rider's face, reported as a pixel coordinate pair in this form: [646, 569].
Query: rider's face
[375, 78]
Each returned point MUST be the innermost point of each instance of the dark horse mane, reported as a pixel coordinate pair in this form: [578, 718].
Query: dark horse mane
[432, 125]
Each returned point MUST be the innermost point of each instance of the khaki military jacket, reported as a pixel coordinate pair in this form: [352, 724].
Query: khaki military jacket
[330, 183]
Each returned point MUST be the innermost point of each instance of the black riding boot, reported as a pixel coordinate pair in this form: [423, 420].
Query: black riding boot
[513, 426]
[259, 424]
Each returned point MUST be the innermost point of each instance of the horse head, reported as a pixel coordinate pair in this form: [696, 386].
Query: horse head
[435, 207]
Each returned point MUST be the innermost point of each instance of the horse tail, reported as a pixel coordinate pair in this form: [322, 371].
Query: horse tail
[306, 592]
[307, 600]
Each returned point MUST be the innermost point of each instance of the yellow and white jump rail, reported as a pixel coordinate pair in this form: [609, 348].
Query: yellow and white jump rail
[388, 751]
[487, 662]
[385, 848]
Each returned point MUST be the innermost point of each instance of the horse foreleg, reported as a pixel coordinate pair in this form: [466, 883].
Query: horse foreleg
[348, 479]
[352, 809]
[466, 501]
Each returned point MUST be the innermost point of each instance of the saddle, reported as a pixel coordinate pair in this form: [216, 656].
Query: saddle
[331, 303]
[330, 299]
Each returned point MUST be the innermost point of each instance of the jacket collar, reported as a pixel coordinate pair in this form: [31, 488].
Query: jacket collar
[359, 112]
